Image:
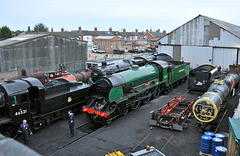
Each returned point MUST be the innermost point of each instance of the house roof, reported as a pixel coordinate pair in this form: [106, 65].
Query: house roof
[156, 34]
[70, 35]
[105, 37]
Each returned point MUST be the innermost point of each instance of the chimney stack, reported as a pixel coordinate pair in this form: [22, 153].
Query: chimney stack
[51, 29]
[110, 29]
[164, 31]
[146, 30]
[80, 28]
[62, 30]
[95, 29]
[158, 30]
[136, 30]
[124, 30]
[150, 29]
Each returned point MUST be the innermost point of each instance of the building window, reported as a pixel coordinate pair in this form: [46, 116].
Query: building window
[99, 45]
[108, 46]
[103, 44]
[117, 45]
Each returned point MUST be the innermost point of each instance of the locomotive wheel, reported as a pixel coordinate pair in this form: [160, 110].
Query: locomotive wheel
[125, 112]
[11, 132]
[156, 92]
[147, 97]
[135, 103]
[106, 121]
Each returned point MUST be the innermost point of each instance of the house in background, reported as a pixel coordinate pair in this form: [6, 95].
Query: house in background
[203, 40]
[153, 36]
[110, 40]
[108, 43]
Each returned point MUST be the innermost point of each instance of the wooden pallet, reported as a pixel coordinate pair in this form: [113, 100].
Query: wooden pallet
[204, 154]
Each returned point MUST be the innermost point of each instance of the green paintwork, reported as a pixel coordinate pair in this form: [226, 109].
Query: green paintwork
[134, 77]
[115, 93]
[137, 76]
[179, 72]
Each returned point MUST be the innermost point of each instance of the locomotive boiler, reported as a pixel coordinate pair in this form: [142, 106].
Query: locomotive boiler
[119, 65]
[206, 108]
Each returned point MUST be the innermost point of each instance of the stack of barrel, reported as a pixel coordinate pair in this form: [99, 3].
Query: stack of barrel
[213, 144]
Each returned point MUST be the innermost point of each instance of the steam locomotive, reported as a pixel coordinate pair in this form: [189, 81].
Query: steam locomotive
[39, 104]
[124, 64]
[117, 93]
[207, 107]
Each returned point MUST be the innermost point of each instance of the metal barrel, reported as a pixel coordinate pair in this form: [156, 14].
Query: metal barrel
[221, 136]
[220, 151]
[211, 134]
[215, 142]
[206, 142]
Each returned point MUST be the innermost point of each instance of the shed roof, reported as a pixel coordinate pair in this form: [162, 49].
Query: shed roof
[21, 38]
[234, 29]
[234, 125]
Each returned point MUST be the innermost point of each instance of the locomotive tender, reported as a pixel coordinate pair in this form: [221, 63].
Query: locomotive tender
[201, 77]
[37, 103]
[206, 108]
[114, 94]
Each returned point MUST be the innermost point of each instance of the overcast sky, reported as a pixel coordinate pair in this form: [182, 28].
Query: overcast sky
[118, 14]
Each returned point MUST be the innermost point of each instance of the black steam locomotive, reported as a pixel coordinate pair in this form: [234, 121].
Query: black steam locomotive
[202, 77]
[119, 65]
[207, 107]
[39, 104]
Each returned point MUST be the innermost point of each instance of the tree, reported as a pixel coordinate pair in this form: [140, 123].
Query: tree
[29, 29]
[40, 27]
[5, 32]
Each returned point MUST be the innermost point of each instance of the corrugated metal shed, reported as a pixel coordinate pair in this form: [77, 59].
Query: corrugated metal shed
[202, 39]
[42, 51]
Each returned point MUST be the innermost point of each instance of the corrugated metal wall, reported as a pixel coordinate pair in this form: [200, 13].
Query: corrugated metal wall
[224, 57]
[197, 55]
[45, 53]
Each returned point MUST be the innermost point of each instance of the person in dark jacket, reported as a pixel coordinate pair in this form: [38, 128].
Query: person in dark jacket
[25, 130]
[71, 123]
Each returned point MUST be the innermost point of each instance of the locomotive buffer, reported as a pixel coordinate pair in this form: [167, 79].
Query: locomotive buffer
[173, 115]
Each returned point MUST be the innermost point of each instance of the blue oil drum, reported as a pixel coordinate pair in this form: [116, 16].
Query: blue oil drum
[206, 142]
[220, 151]
[215, 142]
[211, 134]
[221, 136]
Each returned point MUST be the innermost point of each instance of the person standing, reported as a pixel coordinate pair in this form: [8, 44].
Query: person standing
[25, 130]
[71, 123]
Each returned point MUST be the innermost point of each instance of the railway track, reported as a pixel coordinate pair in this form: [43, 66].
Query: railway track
[61, 141]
